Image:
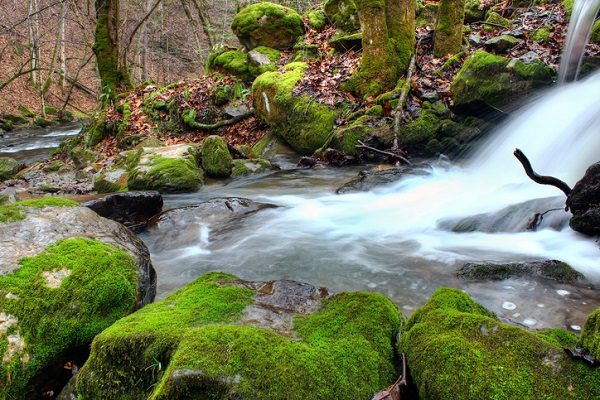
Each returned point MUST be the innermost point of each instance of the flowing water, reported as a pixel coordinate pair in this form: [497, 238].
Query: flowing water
[35, 144]
[390, 240]
[579, 31]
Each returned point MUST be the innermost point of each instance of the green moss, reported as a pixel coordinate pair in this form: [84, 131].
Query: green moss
[301, 122]
[317, 19]
[568, 5]
[167, 175]
[26, 111]
[541, 35]
[267, 24]
[344, 350]
[448, 31]
[456, 348]
[233, 62]
[99, 288]
[343, 14]
[420, 131]
[216, 158]
[50, 110]
[126, 117]
[97, 130]
[595, 36]
[495, 18]
[18, 211]
[8, 168]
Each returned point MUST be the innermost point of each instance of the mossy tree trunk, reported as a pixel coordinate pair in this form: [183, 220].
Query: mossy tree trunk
[113, 75]
[388, 29]
[448, 31]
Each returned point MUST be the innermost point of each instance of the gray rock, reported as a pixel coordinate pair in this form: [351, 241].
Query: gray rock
[583, 202]
[501, 44]
[548, 269]
[132, 209]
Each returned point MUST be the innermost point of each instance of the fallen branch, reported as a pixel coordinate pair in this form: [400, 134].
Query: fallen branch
[228, 122]
[537, 218]
[387, 153]
[399, 111]
[541, 179]
[393, 392]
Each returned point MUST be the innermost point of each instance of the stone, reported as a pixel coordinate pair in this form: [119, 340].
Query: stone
[501, 44]
[171, 169]
[583, 202]
[83, 158]
[343, 14]
[216, 159]
[303, 123]
[183, 224]
[548, 269]
[65, 275]
[268, 24]
[497, 82]
[222, 337]
[132, 209]
[8, 168]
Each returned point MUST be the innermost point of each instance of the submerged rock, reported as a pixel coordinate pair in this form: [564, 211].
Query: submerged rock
[457, 349]
[187, 225]
[66, 274]
[368, 180]
[549, 269]
[216, 338]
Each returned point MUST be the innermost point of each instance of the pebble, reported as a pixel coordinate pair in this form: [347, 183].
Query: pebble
[529, 321]
[576, 327]
[507, 305]
[563, 292]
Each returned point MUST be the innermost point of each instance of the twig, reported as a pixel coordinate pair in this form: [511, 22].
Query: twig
[541, 179]
[387, 153]
[385, 394]
[405, 89]
[537, 218]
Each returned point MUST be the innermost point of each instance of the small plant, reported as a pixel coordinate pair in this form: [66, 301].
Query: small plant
[154, 367]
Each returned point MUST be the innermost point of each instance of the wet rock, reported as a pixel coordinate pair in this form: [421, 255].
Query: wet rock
[132, 209]
[251, 166]
[216, 158]
[221, 337]
[514, 218]
[583, 201]
[548, 269]
[186, 224]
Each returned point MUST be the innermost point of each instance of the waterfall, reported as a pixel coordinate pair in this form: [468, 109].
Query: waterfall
[578, 34]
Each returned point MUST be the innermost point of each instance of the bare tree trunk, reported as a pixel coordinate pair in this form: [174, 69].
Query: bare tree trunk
[193, 24]
[62, 72]
[34, 40]
[205, 21]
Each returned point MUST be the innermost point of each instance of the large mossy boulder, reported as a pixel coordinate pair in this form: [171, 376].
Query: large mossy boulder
[216, 158]
[302, 122]
[172, 169]
[583, 202]
[8, 168]
[498, 82]
[222, 338]
[66, 274]
[268, 24]
[457, 349]
[343, 14]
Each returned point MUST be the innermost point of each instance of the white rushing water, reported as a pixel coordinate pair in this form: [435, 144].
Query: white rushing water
[390, 240]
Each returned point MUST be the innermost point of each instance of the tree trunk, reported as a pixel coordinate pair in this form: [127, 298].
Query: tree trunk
[113, 75]
[448, 31]
[388, 28]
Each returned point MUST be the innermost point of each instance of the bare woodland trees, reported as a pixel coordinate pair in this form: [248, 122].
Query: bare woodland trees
[67, 52]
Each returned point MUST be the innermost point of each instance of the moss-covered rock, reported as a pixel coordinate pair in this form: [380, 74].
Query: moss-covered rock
[232, 62]
[501, 44]
[303, 123]
[343, 14]
[496, 81]
[83, 157]
[172, 169]
[200, 343]
[111, 181]
[8, 168]
[497, 19]
[262, 59]
[317, 19]
[268, 24]
[216, 159]
[595, 36]
[455, 348]
[66, 274]
[252, 166]
[343, 43]
[473, 12]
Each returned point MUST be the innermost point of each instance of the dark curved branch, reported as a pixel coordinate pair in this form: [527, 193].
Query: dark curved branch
[541, 179]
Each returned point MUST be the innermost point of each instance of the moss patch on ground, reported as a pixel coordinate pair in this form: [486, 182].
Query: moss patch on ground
[57, 300]
[18, 211]
[188, 346]
[456, 348]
